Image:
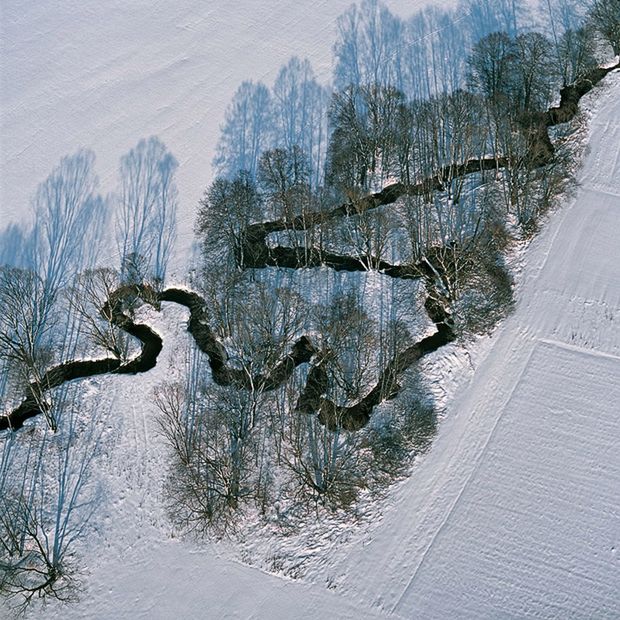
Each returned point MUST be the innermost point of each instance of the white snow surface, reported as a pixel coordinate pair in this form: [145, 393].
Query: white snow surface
[514, 512]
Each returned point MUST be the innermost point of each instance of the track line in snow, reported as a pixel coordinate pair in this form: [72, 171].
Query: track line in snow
[578, 349]
[598, 190]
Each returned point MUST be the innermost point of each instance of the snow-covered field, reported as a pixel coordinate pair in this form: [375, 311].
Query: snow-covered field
[102, 74]
[515, 512]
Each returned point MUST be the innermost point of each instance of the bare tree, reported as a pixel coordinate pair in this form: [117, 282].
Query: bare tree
[225, 211]
[492, 70]
[417, 220]
[212, 437]
[46, 508]
[349, 342]
[284, 178]
[576, 54]
[324, 463]
[89, 297]
[367, 234]
[365, 146]
[26, 324]
[534, 72]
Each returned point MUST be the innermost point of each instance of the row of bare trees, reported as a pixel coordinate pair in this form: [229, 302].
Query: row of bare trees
[521, 58]
[55, 306]
[452, 122]
[52, 287]
[238, 450]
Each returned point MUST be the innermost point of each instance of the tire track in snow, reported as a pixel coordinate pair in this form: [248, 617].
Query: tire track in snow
[578, 349]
